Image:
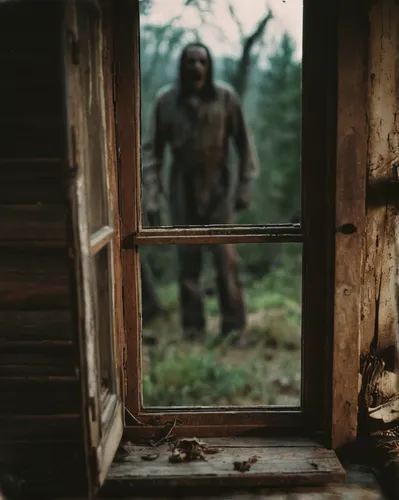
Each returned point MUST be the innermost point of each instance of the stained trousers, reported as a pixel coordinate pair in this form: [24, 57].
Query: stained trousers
[229, 287]
[187, 211]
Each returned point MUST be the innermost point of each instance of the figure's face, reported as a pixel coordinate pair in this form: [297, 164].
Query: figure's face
[196, 67]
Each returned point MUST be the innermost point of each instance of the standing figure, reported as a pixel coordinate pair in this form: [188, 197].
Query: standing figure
[197, 118]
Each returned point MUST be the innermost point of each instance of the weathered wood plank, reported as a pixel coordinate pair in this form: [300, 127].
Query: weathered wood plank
[39, 396]
[379, 309]
[31, 471]
[127, 109]
[41, 102]
[274, 466]
[36, 359]
[330, 492]
[33, 222]
[34, 279]
[32, 180]
[39, 455]
[35, 326]
[264, 442]
[108, 20]
[40, 428]
[25, 140]
[24, 191]
[360, 484]
[350, 209]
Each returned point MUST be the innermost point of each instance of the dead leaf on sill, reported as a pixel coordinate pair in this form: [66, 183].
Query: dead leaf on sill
[122, 452]
[169, 436]
[150, 457]
[190, 449]
[246, 464]
[388, 412]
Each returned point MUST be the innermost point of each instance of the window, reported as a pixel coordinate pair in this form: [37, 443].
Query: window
[95, 235]
[311, 416]
[103, 85]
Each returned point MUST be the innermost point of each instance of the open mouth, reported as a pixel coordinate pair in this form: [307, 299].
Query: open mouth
[196, 77]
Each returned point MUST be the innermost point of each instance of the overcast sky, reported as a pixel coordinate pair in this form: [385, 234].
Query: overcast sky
[221, 33]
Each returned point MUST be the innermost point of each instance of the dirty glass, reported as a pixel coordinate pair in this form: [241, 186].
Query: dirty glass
[221, 324]
[221, 124]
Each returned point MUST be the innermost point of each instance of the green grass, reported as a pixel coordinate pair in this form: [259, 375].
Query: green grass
[179, 373]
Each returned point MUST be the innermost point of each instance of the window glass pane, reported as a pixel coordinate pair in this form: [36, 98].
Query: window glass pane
[222, 324]
[221, 124]
[91, 81]
[104, 317]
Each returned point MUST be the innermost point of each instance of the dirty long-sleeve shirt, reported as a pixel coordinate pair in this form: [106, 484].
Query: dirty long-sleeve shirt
[198, 133]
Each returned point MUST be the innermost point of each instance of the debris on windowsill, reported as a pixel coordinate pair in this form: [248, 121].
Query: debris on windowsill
[379, 418]
[122, 453]
[190, 449]
[246, 464]
[150, 457]
[387, 412]
[378, 385]
[168, 436]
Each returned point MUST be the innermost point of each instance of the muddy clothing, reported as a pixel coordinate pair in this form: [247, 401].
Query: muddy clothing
[230, 293]
[198, 133]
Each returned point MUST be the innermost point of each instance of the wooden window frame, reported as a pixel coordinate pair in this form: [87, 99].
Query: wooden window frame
[316, 235]
[102, 420]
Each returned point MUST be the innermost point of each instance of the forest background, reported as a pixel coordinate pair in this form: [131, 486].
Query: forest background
[257, 51]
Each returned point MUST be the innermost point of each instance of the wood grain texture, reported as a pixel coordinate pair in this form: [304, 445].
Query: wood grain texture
[294, 465]
[32, 180]
[108, 20]
[360, 484]
[379, 309]
[31, 471]
[29, 122]
[34, 279]
[350, 208]
[39, 395]
[127, 88]
[35, 326]
[37, 359]
[82, 304]
[39, 383]
[40, 428]
[33, 222]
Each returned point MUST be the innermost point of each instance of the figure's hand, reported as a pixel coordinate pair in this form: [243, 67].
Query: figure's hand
[243, 197]
[154, 218]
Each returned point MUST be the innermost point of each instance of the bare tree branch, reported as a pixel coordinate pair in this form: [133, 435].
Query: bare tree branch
[240, 77]
[200, 5]
[161, 36]
[236, 20]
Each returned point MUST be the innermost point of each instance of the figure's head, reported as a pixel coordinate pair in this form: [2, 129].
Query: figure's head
[196, 69]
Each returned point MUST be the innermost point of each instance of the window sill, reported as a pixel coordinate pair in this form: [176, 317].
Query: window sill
[280, 462]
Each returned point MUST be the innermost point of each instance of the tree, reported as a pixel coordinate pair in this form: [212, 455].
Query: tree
[279, 132]
[274, 111]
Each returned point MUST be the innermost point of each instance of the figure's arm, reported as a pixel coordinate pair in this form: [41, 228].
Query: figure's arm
[152, 161]
[248, 158]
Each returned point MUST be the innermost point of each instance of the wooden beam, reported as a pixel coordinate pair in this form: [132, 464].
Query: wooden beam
[379, 309]
[350, 209]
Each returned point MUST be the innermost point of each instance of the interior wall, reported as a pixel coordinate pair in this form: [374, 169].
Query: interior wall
[365, 316]
[39, 377]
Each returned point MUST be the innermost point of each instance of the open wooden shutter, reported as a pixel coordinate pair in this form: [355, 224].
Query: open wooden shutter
[94, 235]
